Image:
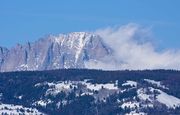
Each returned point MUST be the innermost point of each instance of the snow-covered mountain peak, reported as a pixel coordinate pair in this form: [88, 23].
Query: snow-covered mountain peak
[55, 52]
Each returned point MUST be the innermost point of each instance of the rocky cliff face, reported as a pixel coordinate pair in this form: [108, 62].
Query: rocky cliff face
[54, 52]
[3, 55]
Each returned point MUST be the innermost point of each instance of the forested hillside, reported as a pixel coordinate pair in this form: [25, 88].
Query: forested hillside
[90, 92]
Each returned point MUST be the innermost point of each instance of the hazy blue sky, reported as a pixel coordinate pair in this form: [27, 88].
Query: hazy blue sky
[22, 20]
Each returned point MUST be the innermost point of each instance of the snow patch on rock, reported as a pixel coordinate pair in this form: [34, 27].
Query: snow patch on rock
[130, 83]
[131, 105]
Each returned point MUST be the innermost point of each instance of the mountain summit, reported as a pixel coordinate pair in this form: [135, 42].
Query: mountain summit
[54, 52]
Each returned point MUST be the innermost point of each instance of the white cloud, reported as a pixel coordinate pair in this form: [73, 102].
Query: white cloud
[133, 50]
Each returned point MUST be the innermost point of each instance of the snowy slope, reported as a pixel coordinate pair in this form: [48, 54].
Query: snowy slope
[9, 109]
